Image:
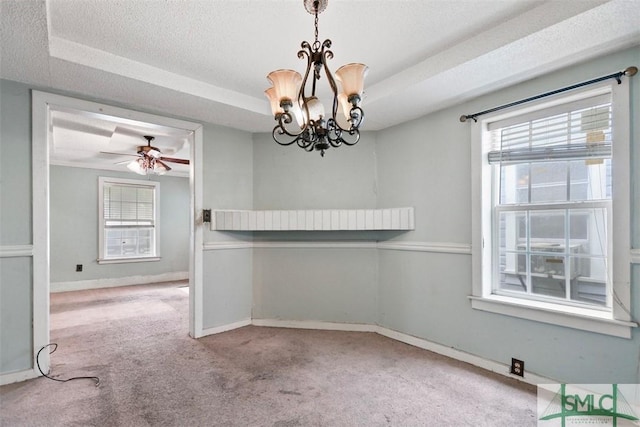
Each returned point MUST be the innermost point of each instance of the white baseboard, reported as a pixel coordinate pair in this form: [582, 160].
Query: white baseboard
[481, 362]
[310, 324]
[119, 281]
[225, 328]
[15, 377]
[453, 353]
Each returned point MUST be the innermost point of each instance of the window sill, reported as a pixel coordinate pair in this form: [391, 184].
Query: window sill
[555, 314]
[127, 260]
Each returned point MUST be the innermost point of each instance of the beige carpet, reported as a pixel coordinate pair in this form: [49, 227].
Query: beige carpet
[152, 374]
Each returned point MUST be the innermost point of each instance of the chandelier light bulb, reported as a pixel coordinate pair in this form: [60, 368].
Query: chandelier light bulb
[315, 108]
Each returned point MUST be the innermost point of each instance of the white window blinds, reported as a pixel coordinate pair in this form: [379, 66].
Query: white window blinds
[576, 130]
[128, 205]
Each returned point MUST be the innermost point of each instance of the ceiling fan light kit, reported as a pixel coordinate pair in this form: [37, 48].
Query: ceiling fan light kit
[147, 166]
[149, 162]
[290, 101]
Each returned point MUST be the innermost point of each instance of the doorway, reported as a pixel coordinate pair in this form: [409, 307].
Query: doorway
[54, 113]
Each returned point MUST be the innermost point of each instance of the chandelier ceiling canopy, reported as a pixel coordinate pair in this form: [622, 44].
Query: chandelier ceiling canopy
[300, 115]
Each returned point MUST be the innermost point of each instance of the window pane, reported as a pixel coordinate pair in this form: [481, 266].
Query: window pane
[513, 272]
[590, 281]
[548, 182]
[548, 275]
[514, 183]
[144, 246]
[113, 242]
[588, 231]
[113, 248]
[547, 265]
[129, 242]
[512, 231]
[590, 179]
[547, 230]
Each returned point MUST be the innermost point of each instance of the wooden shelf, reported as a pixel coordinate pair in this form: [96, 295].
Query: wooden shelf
[314, 220]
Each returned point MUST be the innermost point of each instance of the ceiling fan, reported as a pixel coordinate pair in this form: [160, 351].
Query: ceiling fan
[150, 160]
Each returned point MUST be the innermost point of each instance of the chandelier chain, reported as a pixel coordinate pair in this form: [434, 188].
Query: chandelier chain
[316, 26]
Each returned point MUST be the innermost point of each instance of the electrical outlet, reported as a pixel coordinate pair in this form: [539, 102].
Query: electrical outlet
[78, 267]
[517, 367]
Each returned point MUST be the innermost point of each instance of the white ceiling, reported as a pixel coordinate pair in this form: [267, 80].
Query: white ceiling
[80, 138]
[206, 60]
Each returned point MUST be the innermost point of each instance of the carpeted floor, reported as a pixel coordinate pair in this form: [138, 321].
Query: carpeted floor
[152, 374]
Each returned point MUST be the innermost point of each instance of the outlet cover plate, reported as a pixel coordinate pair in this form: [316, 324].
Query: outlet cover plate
[517, 367]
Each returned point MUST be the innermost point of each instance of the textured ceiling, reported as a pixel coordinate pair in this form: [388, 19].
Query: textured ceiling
[206, 60]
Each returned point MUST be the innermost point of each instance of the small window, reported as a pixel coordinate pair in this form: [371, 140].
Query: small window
[128, 220]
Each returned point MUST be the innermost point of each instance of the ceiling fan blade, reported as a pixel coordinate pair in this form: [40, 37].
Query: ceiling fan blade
[174, 160]
[119, 154]
[166, 166]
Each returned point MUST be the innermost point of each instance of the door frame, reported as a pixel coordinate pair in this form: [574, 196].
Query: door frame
[42, 105]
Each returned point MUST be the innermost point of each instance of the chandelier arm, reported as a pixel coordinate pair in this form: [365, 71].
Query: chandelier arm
[278, 131]
[333, 128]
[281, 129]
[302, 96]
[308, 52]
[301, 140]
[326, 55]
[355, 132]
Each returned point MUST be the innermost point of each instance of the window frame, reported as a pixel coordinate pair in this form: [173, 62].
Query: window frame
[617, 321]
[155, 256]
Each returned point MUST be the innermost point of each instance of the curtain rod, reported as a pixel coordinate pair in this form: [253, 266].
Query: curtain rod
[630, 71]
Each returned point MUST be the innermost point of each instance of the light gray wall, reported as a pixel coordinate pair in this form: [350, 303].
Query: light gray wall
[315, 284]
[228, 184]
[16, 314]
[291, 178]
[74, 226]
[15, 227]
[426, 162]
[15, 154]
[305, 282]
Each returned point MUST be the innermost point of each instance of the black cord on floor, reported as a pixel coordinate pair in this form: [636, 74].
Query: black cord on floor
[55, 347]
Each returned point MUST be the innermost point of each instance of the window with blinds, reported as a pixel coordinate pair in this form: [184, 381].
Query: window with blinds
[552, 203]
[128, 219]
[128, 205]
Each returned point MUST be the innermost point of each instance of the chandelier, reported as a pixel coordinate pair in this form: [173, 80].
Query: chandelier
[290, 100]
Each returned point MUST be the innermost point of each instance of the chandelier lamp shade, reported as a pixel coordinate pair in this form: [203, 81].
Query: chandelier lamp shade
[300, 115]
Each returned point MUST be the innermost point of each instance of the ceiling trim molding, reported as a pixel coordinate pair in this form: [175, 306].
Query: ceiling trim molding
[87, 56]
